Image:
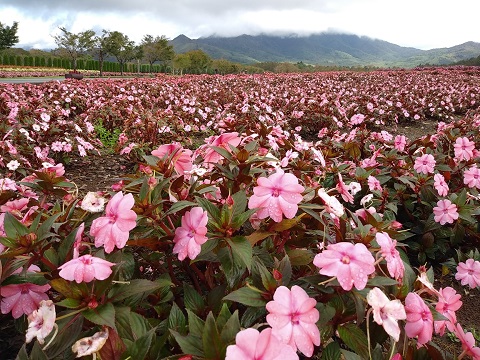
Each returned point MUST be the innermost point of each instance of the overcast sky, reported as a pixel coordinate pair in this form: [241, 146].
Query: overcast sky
[423, 24]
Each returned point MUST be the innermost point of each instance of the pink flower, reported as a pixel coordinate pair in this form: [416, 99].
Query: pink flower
[250, 344]
[113, 229]
[223, 141]
[357, 119]
[468, 343]
[463, 148]
[276, 195]
[344, 190]
[448, 302]
[41, 322]
[471, 177]
[22, 298]
[178, 156]
[293, 316]
[350, 263]
[419, 319]
[395, 265]
[445, 212]
[440, 184]
[468, 272]
[400, 142]
[191, 235]
[424, 164]
[386, 312]
[85, 269]
[332, 205]
[374, 184]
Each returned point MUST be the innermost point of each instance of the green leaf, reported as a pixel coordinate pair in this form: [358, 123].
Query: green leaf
[331, 352]
[223, 316]
[285, 268]
[222, 152]
[354, 338]
[230, 329]
[195, 324]
[246, 296]
[13, 227]
[239, 202]
[242, 250]
[191, 344]
[130, 325]
[300, 257]
[179, 205]
[177, 320]
[286, 224]
[258, 235]
[211, 209]
[139, 348]
[124, 265]
[69, 303]
[381, 281]
[240, 219]
[213, 346]
[233, 270]
[268, 282]
[103, 315]
[193, 301]
[37, 352]
[137, 287]
[69, 289]
[348, 355]
[44, 230]
[69, 330]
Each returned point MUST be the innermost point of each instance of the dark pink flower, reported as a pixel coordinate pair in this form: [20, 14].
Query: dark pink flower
[424, 164]
[386, 312]
[293, 316]
[395, 265]
[350, 263]
[468, 273]
[419, 319]
[180, 158]
[113, 229]
[85, 269]
[191, 235]
[445, 212]
[463, 148]
[22, 298]
[440, 185]
[276, 195]
[448, 302]
[471, 177]
[250, 344]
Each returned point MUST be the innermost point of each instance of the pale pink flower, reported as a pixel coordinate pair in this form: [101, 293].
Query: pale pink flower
[350, 263]
[440, 185]
[22, 298]
[463, 148]
[374, 183]
[400, 142]
[395, 265]
[468, 343]
[448, 302]
[357, 119]
[180, 158]
[93, 202]
[41, 322]
[445, 212]
[58, 169]
[344, 190]
[90, 345]
[293, 316]
[85, 269]
[471, 177]
[276, 195]
[78, 240]
[424, 164]
[250, 344]
[7, 184]
[288, 156]
[386, 312]
[113, 229]
[468, 273]
[191, 235]
[223, 141]
[419, 319]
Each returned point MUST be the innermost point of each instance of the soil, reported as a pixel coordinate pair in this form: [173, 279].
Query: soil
[98, 173]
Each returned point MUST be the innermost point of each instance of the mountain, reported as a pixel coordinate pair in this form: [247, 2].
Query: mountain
[322, 49]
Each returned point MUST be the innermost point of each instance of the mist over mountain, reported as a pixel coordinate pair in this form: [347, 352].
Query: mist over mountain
[322, 49]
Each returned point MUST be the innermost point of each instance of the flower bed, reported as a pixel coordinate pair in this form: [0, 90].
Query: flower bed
[298, 226]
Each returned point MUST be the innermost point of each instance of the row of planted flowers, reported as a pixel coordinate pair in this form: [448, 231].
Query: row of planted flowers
[273, 246]
[56, 119]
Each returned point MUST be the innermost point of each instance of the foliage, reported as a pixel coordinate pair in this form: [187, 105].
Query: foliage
[156, 49]
[74, 45]
[8, 35]
[124, 49]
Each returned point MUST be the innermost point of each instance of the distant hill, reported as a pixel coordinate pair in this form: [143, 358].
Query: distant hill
[322, 49]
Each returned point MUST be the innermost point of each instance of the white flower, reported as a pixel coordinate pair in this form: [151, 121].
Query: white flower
[36, 127]
[93, 202]
[89, 345]
[331, 203]
[366, 199]
[13, 165]
[41, 322]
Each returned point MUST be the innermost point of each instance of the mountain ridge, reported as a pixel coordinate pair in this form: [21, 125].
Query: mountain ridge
[322, 49]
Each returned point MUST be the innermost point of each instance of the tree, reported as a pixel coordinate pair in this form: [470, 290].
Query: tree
[124, 49]
[74, 45]
[199, 61]
[156, 49]
[181, 62]
[8, 35]
[222, 66]
[101, 48]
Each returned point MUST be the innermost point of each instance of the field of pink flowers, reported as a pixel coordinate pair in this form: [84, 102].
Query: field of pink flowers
[269, 216]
